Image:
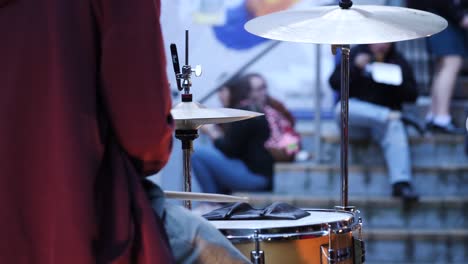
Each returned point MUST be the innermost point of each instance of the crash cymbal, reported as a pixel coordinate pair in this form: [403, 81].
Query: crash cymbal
[192, 115]
[358, 25]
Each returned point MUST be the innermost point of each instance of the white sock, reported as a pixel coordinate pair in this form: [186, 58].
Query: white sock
[442, 120]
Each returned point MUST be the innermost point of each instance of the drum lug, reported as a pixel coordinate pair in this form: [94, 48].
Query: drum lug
[359, 251]
[257, 256]
[359, 246]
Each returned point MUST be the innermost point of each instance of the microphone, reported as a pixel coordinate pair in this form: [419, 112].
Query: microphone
[175, 63]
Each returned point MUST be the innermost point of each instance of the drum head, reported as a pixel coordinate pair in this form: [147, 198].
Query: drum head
[314, 225]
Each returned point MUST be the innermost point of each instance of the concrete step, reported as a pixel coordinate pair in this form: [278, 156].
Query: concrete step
[324, 180]
[427, 150]
[432, 213]
[416, 245]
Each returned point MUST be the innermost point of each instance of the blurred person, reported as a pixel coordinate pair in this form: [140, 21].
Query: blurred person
[374, 110]
[449, 47]
[84, 115]
[237, 160]
[284, 141]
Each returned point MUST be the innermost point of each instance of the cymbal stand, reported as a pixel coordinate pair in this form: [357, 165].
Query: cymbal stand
[186, 136]
[345, 53]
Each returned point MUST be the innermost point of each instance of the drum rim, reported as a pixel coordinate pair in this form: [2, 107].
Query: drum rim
[294, 232]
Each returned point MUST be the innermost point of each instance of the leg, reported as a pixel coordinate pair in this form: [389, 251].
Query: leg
[393, 140]
[358, 120]
[391, 136]
[443, 84]
[389, 133]
[367, 114]
[216, 172]
[193, 239]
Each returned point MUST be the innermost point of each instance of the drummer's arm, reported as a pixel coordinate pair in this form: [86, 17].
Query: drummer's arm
[133, 79]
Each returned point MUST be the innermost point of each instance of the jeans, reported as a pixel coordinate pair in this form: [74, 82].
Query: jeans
[371, 120]
[218, 173]
[193, 239]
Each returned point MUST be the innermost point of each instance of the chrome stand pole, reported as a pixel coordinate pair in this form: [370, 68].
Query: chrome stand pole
[187, 137]
[345, 51]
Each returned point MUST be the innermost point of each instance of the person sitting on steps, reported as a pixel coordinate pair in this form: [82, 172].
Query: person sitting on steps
[374, 109]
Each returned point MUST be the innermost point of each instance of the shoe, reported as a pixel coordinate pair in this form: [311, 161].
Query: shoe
[411, 121]
[450, 128]
[404, 191]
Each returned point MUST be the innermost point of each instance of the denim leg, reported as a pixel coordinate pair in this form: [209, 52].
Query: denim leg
[193, 239]
[366, 117]
[216, 172]
[394, 142]
[203, 171]
[367, 114]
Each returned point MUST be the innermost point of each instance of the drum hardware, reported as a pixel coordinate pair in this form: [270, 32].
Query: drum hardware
[189, 115]
[257, 256]
[359, 245]
[304, 240]
[207, 197]
[341, 27]
[330, 255]
[186, 136]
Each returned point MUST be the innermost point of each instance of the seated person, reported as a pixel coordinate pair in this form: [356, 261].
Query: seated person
[238, 159]
[374, 110]
[284, 141]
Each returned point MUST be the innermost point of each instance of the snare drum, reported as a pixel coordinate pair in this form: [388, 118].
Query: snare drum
[305, 240]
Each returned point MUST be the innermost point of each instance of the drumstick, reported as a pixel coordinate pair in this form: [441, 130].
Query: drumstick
[207, 197]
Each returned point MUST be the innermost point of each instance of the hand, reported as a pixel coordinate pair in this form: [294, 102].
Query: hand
[361, 60]
[280, 154]
[394, 115]
[464, 22]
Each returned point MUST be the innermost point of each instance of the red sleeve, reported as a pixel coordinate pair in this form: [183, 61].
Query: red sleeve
[133, 79]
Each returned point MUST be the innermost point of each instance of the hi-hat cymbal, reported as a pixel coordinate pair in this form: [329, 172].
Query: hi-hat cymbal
[358, 25]
[192, 115]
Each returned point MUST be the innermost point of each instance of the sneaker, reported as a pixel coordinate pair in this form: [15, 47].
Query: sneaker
[405, 191]
[450, 128]
[415, 123]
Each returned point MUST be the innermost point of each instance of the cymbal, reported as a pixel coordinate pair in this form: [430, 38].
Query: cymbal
[363, 24]
[192, 115]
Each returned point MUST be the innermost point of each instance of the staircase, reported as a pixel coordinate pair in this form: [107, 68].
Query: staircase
[434, 230]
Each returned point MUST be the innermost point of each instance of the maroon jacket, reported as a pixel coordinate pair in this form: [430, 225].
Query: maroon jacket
[66, 195]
